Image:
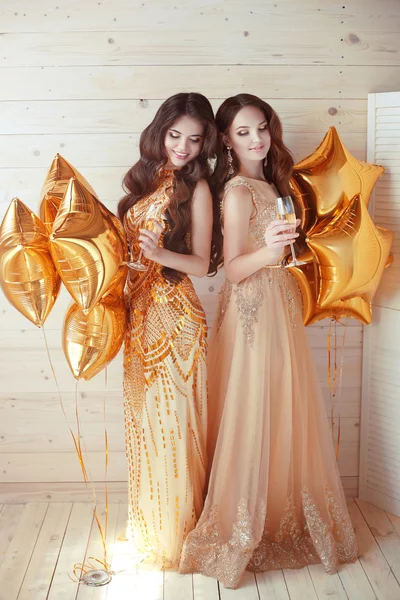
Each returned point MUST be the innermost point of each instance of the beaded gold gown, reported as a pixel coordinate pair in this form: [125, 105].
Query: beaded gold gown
[165, 401]
[275, 498]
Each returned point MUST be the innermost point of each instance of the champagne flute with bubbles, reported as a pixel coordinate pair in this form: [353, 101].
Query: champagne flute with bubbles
[285, 211]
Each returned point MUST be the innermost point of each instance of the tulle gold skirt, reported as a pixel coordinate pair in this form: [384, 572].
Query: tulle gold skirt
[275, 498]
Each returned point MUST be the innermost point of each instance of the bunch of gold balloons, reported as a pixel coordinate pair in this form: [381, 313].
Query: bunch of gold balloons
[347, 251]
[77, 241]
[81, 243]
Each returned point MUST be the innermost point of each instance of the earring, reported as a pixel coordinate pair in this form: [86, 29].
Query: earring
[265, 162]
[230, 161]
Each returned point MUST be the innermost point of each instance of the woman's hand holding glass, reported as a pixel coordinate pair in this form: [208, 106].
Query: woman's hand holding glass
[277, 237]
[149, 235]
[285, 212]
[149, 238]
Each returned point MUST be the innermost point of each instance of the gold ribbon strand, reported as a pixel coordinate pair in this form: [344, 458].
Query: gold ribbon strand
[334, 374]
[77, 439]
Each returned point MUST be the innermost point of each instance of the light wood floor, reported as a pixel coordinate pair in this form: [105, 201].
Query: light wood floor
[40, 543]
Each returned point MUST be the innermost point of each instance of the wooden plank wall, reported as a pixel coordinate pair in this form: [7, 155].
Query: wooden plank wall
[83, 79]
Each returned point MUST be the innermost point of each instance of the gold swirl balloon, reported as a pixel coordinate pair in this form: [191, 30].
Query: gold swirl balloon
[91, 341]
[55, 186]
[87, 246]
[27, 274]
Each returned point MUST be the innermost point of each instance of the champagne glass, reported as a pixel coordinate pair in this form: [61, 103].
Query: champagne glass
[285, 211]
[150, 221]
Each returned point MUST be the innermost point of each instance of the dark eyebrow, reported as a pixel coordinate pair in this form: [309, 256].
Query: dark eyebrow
[192, 135]
[246, 126]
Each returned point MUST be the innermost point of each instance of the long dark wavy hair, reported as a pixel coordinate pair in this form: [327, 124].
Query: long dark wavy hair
[279, 167]
[142, 179]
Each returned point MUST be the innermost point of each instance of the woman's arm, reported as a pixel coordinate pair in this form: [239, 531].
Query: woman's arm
[196, 263]
[239, 264]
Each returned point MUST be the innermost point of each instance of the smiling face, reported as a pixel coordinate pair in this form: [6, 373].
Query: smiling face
[183, 141]
[249, 135]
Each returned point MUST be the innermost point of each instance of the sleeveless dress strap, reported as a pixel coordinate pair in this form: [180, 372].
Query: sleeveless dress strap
[236, 182]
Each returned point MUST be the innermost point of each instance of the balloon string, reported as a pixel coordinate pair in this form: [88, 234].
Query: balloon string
[78, 449]
[106, 451]
[75, 440]
[84, 568]
[329, 374]
[105, 442]
[344, 325]
[335, 383]
[333, 377]
[335, 360]
[88, 479]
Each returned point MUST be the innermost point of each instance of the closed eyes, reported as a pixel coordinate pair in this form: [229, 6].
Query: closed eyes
[174, 136]
[246, 132]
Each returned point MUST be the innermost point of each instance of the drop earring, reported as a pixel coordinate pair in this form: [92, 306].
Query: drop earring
[230, 161]
[265, 162]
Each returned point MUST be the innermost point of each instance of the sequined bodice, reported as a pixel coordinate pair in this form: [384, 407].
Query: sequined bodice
[136, 215]
[151, 283]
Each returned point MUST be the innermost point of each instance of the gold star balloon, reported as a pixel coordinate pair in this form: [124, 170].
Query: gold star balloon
[91, 341]
[328, 179]
[55, 186]
[88, 246]
[27, 274]
[349, 253]
[308, 281]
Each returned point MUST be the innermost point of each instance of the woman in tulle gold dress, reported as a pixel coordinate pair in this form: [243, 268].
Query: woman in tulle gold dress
[275, 499]
[168, 215]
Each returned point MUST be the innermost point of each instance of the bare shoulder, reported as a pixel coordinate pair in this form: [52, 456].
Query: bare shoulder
[238, 198]
[238, 191]
[201, 188]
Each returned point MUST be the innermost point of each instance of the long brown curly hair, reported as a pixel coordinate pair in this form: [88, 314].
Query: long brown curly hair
[279, 167]
[142, 179]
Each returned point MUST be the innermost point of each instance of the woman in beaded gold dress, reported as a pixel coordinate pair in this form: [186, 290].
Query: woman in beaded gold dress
[165, 385]
[275, 499]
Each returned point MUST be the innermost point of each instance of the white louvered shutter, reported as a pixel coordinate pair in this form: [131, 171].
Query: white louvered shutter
[380, 413]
